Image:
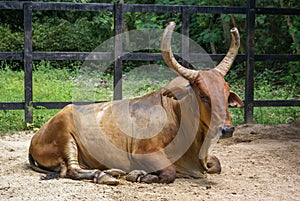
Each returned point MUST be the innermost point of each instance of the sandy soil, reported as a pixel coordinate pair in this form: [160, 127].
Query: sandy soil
[259, 163]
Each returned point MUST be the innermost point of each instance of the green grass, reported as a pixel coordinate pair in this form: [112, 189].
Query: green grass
[51, 84]
[275, 115]
[265, 90]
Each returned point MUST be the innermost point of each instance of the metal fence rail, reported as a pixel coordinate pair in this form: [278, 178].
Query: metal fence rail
[28, 56]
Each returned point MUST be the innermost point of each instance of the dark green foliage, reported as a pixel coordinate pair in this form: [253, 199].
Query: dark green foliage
[82, 34]
[10, 40]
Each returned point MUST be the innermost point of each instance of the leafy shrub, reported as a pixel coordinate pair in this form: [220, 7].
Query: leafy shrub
[83, 35]
[10, 40]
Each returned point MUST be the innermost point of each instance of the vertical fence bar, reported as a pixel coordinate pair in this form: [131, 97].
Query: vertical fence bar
[27, 8]
[118, 51]
[249, 86]
[185, 46]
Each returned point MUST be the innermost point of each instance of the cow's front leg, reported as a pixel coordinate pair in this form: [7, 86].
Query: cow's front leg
[142, 176]
[159, 169]
[102, 177]
[166, 175]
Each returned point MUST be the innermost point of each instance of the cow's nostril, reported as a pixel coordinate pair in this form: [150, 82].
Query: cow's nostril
[227, 131]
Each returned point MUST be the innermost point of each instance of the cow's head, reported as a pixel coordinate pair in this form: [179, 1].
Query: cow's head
[212, 92]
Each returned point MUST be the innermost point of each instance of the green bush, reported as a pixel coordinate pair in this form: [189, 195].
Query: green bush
[83, 35]
[10, 40]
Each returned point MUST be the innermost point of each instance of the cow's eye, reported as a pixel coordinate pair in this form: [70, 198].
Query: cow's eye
[203, 97]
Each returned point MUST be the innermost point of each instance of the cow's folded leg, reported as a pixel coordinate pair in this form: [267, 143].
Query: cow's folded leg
[71, 168]
[97, 176]
[141, 176]
[153, 164]
[149, 179]
[105, 178]
[78, 173]
[213, 165]
[115, 172]
[100, 177]
[135, 175]
[167, 175]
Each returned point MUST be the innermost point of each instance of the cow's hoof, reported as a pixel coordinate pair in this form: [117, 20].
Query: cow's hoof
[115, 172]
[135, 175]
[103, 178]
[51, 175]
[149, 179]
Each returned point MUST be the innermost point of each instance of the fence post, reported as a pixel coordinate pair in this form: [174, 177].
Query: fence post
[27, 8]
[118, 15]
[249, 85]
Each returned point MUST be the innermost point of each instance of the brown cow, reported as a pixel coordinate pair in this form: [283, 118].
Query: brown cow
[152, 138]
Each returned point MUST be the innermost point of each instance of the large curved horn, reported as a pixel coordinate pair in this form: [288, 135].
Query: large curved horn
[226, 63]
[168, 56]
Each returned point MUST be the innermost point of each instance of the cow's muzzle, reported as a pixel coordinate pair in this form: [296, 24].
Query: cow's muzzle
[227, 131]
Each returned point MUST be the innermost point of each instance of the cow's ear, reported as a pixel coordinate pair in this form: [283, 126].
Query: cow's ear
[176, 92]
[234, 100]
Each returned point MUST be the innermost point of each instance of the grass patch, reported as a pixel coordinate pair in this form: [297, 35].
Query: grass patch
[275, 115]
[11, 85]
[11, 121]
[50, 84]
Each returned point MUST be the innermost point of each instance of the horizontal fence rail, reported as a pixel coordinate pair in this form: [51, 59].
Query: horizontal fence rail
[18, 5]
[28, 55]
[134, 56]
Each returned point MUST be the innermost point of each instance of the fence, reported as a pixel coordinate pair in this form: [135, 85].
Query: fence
[28, 56]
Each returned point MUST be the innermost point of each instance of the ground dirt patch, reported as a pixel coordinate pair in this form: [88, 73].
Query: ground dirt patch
[259, 163]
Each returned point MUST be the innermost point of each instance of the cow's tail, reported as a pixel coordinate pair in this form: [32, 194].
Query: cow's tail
[35, 166]
[40, 169]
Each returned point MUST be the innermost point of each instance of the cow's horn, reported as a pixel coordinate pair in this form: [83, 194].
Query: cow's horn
[226, 63]
[169, 57]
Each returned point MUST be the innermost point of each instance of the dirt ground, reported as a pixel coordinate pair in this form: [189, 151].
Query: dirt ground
[259, 163]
